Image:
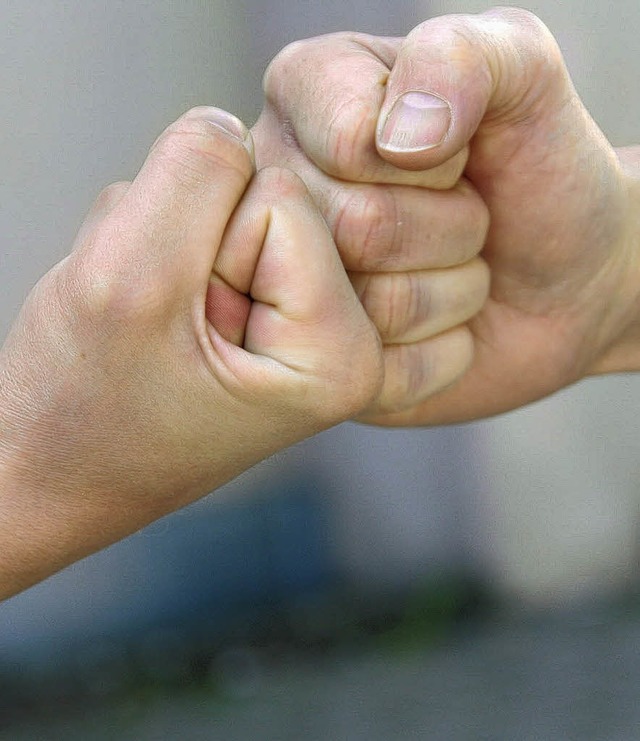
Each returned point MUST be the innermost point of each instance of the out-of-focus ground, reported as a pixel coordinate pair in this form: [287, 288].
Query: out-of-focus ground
[551, 676]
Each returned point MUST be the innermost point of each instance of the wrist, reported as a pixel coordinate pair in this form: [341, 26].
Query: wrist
[622, 354]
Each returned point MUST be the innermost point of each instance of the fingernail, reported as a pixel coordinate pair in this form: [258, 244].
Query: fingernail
[417, 121]
[223, 120]
[229, 123]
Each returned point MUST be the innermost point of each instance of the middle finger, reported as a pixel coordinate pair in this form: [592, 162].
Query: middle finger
[394, 228]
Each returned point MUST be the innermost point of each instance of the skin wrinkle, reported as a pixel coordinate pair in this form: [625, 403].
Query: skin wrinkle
[398, 308]
[404, 386]
[414, 305]
[343, 142]
[512, 99]
[182, 155]
[243, 283]
[535, 66]
[465, 229]
[419, 382]
[373, 222]
[371, 168]
[385, 50]
[288, 133]
[421, 375]
[570, 266]
[397, 290]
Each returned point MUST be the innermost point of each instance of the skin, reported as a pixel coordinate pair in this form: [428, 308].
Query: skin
[202, 322]
[495, 245]
[205, 320]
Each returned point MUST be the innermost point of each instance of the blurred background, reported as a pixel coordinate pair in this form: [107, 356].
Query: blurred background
[470, 582]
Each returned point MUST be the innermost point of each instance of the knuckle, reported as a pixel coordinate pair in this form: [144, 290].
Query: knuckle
[521, 19]
[280, 183]
[414, 304]
[414, 372]
[111, 195]
[282, 66]
[349, 135]
[480, 217]
[480, 283]
[367, 228]
[196, 147]
[104, 293]
[462, 353]
[305, 70]
[469, 232]
[395, 302]
[384, 308]
[102, 296]
[420, 375]
[534, 44]
[409, 369]
[292, 65]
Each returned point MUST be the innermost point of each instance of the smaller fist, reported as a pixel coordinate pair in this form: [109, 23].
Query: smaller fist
[202, 322]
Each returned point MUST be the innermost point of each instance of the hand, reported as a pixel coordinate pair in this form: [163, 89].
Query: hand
[488, 98]
[409, 240]
[202, 322]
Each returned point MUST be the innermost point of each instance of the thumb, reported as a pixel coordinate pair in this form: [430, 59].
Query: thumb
[454, 73]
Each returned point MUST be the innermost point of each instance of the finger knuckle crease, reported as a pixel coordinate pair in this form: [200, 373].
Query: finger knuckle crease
[369, 223]
[280, 182]
[194, 148]
[348, 139]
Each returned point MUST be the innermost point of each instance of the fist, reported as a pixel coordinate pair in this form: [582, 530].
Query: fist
[409, 239]
[202, 322]
[460, 148]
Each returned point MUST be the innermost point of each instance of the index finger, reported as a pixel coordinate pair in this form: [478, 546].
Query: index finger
[325, 96]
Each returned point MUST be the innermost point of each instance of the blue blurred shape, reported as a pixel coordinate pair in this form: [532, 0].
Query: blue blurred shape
[208, 563]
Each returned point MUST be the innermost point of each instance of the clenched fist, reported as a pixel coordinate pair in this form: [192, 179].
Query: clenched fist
[202, 322]
[460, 148]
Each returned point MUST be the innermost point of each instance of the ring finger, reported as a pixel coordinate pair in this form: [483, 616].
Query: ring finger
[412, 306]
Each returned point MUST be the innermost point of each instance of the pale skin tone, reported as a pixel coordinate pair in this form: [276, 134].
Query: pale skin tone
[204, 319]
[202, 322]
[527, 186]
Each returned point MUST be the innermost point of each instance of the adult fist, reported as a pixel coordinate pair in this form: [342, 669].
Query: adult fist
[202, 322]
[491, 90]
[409, 240]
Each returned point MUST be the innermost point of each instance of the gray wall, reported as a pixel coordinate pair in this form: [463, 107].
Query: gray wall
[86, 88]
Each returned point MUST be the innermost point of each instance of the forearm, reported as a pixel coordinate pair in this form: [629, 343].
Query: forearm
[64, 497]
[57, 506]
[76, 474]
[38, 537]
[49, 520]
